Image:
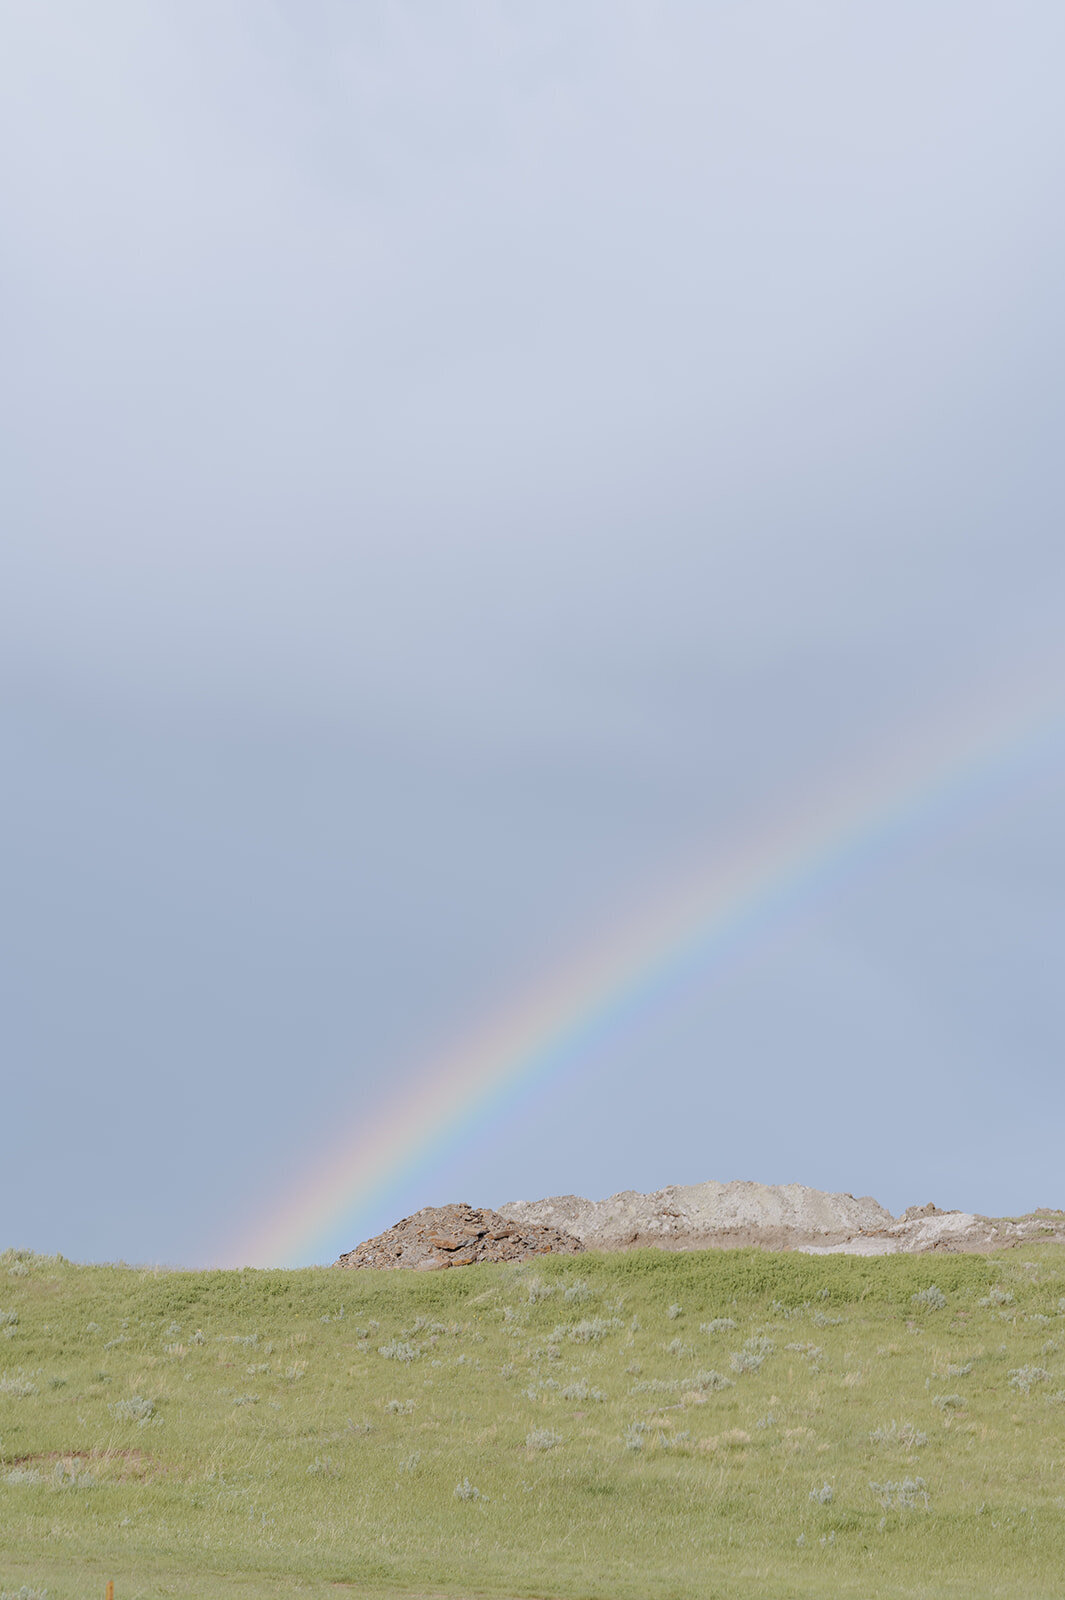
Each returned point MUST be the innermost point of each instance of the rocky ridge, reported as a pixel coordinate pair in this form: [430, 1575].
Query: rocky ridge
[698, 1216]
[704, 1216]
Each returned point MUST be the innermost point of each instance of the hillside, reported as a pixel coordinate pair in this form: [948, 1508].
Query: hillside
[636, 1425]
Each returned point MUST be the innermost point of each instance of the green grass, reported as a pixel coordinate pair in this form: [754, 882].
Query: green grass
[549, 1429]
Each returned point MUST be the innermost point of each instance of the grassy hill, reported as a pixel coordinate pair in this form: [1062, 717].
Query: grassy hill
[626, 1426]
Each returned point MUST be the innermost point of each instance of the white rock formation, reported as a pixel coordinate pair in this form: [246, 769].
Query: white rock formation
[775, 1216]
[685, 1215]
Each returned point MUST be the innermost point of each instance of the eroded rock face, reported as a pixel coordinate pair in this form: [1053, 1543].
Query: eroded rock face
[700, 1216]
[703, 1215]
[788, 1216]
[457, 1236]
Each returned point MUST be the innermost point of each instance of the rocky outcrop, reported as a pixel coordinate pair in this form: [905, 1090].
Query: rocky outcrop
[457, 1236]
[789, 1216]
[924, 1228]
[698, 1216]
[704, 1215]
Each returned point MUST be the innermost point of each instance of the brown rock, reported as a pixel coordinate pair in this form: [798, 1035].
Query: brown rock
[458, 1236]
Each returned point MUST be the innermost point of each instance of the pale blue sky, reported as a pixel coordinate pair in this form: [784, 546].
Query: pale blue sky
[461, 464]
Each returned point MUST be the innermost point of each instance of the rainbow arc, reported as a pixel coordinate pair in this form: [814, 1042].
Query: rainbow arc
[697, 928]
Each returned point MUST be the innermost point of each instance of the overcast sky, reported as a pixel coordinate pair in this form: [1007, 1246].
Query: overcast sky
[461, 464]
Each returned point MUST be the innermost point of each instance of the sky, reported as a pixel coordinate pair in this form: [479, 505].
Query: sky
[462, 467]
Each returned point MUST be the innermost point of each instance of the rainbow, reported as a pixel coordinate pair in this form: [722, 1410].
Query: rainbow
[718, 911]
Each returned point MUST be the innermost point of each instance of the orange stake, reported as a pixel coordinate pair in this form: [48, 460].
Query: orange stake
[110, 1589]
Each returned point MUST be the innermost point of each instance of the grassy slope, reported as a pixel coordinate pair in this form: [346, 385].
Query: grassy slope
[246, 1433]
